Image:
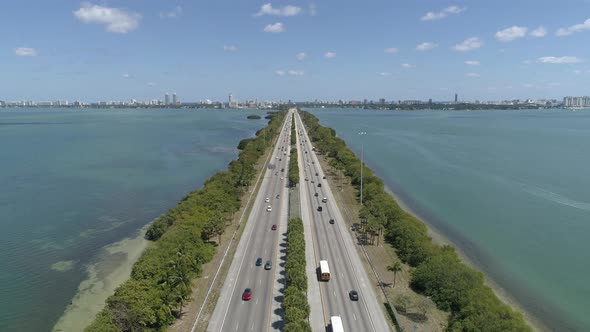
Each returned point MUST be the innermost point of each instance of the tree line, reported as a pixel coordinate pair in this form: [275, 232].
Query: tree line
[295, 304]
[293, 164]
[160, 282]
[437, 271]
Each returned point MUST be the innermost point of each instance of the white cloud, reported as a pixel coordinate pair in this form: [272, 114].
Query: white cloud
[290, 72]
[512, 33]
[301, 56]
[391, 50]
[407, 65]
[539, 32]
[25, 51]
[330, 55]
[294, 72]
[274, 28]
[230, 48]
[472, 74]
[574, 28]
[313, 11]
[472, 63]
[431, 16]
[115, 20]
[559, 60]
[468, 44]
[127, 76]
[267, 9]
[385, 73]
[174, 13]
[426, 46]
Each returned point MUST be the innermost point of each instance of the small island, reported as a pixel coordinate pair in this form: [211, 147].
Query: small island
[254, 117]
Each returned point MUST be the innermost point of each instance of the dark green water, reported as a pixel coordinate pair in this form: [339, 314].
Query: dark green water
[72, 182]
[510, 188]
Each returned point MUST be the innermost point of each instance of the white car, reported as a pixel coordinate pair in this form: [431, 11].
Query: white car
[267, 200]
[269, 208]
[282, 177]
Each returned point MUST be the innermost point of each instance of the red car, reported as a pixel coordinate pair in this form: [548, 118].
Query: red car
[247, 295]
[274, 227]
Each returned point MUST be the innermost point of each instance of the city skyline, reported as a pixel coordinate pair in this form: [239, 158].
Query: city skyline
[111, 50]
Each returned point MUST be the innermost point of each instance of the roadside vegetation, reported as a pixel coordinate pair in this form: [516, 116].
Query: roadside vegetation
[293, 164]
[437, 271]
[160, 282]
[295, 304]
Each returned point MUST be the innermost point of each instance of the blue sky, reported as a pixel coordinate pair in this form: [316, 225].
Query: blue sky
[300, 50]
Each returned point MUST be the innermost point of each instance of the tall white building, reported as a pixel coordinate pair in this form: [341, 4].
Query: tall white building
[576, 101]
[232, 103]
[166, 99]
[174, 99]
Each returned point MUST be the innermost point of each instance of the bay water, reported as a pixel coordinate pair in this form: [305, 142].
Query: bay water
[75, 181]
[511, 190]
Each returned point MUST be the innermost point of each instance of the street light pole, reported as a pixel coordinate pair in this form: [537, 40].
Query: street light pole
[362, 163]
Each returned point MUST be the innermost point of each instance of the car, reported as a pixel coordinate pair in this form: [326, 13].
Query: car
[354, 295]
[278, 196]
[331, 221]
[305, 151]
[312, 181]
[316, 194]
[316, 174]
[259, 261]
[319, 208]
[267, 200]
[268, 265]
[269, 208]
[280, 159]
[274, 227]
[319, 184]
[313, 162]
[324, 200]
[276, 157]
[284, 153]
[282, 177]
[306, 179]
[324, 177]
[247, 294]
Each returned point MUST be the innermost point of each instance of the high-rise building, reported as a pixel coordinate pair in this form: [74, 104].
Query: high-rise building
[166, 99]
[174, 99]
[382, 101]
[232, 103]
[456, 98]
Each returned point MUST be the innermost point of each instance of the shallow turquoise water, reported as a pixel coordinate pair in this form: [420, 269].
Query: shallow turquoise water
[72, 182]
[510, 188]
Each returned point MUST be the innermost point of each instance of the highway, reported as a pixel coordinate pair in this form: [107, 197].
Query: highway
[334, 243]
[258, 240]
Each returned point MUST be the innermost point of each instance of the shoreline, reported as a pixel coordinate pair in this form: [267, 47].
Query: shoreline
[111, 268]
[439, 238]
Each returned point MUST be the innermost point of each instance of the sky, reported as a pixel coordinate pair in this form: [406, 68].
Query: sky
[298, 50]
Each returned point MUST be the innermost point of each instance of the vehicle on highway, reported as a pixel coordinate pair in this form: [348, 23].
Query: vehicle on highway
[258, 261]
[324, 177]
[324, 271]
[319, 208]
[282, 177]
[316, 174]
[312, 181]
[316, 194]
[278, 196]
[247, 294]
[280, 159]
[324, 200]
[306, 179]
[331, 221]
[269, 208]
[354, 295]
[282, 169]
[274, 227]
[267, 200]
[336, 324]
[268, 265]
[319, 184]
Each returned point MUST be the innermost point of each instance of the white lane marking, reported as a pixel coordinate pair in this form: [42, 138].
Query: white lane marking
[353, 315]
[260, 282]
[334, 293]
[237, 326]
[252, 329]
[256, 300]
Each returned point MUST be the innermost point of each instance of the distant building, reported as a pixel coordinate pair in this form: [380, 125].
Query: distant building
[576, 101]
[382, 101]
[456, 98]
[231, 102]
[166, 99]
[174, 99]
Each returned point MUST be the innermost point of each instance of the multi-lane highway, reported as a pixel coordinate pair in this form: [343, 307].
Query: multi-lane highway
[333, 242]
[259, 240]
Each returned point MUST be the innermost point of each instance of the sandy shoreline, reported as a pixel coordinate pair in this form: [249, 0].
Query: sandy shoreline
[111, 269]
[438, 237]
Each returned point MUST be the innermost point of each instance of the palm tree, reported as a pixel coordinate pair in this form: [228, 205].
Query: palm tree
[395, 268]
